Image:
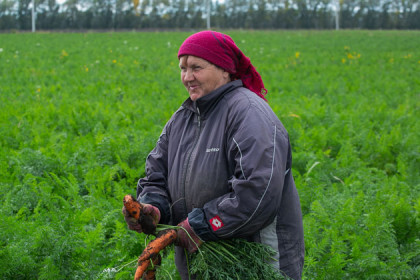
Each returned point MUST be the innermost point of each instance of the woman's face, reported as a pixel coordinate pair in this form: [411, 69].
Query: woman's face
[200, 77]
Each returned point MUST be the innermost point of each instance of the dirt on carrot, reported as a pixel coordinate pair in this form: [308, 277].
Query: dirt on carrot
[132, 206]
[163, 239]
[150, 273]
[135, 209]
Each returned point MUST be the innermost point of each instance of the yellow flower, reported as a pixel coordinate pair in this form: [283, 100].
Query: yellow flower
[114, 61]
[294, 115]
[353, 55]
[63, 54]
[343, 60]
[297, 54]
[38, 90]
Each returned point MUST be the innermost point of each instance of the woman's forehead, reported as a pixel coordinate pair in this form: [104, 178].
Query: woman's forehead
[190, 59]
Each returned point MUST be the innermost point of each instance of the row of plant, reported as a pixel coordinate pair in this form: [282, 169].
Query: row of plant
[80, 112]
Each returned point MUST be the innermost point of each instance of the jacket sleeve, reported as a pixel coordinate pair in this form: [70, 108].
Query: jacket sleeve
[152, 189]
[258, 152]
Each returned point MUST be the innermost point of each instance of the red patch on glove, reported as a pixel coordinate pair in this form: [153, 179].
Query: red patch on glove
[216, 223]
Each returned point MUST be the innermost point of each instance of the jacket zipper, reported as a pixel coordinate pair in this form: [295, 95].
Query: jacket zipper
[187, 171]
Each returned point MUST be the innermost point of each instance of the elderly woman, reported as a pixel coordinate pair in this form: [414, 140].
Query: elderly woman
[222, 165]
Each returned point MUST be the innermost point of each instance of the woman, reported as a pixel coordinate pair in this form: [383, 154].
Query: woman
[222, 165]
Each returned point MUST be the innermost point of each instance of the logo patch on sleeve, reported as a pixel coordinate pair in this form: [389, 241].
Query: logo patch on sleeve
[216, 223]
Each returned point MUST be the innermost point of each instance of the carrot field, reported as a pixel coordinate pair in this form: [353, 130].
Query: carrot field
[79, 112]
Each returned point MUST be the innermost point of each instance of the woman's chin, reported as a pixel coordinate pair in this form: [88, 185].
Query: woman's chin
[194, 95]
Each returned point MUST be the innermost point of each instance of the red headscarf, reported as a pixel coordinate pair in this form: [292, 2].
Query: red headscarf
[221, 50]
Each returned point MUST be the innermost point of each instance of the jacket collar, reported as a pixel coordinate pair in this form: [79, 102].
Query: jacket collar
[205, 103]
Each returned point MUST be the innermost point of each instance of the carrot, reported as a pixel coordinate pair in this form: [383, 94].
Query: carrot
[141, 268]
[163, 239]
[150, 274]
[135, 209]
[132, 206]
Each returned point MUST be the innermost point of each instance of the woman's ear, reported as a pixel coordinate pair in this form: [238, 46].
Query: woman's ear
[227, 75]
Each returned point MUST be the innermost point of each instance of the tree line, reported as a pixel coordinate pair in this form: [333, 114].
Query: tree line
[255, 14]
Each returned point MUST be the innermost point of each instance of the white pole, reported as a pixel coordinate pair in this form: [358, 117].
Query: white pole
[208, 14]
[337, 10]
[33, 15]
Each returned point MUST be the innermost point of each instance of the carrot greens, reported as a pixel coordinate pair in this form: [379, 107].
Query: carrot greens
[234, 259]
[80, 112]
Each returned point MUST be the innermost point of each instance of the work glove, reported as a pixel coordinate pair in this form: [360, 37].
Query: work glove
[149, 218]
[187, 238]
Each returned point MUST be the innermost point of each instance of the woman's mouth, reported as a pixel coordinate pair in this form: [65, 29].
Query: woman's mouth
[192, 87]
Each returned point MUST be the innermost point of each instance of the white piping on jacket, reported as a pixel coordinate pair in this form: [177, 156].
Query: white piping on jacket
[226, 199]
[266, 188]
[240, 159]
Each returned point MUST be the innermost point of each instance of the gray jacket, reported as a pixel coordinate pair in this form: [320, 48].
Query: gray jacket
[224, 161]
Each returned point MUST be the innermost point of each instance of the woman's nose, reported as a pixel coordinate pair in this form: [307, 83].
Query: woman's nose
[188, 75]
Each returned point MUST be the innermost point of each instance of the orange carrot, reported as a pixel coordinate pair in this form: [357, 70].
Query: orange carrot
[163, 239]
[132, 206]
[150, 274]
[135, 210]
[141, 268]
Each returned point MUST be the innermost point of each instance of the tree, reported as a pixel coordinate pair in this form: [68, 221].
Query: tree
[103, 13]
[7, 17]
[348, 10]
[404, 10]
[370, 10]
[71, 14]
[48, 16]
[117, 14]
[24, 14]
[385, 20]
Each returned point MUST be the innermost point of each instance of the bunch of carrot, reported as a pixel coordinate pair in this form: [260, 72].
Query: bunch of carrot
[218, 260]
[150, 256]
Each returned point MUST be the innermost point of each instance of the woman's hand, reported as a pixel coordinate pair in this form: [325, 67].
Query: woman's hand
[187, 238]
[149, 217]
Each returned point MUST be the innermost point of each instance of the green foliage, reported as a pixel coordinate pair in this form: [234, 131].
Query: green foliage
[80, 112]
[234, 259]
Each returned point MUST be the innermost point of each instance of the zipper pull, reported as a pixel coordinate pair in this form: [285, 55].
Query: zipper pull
[198, 117]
